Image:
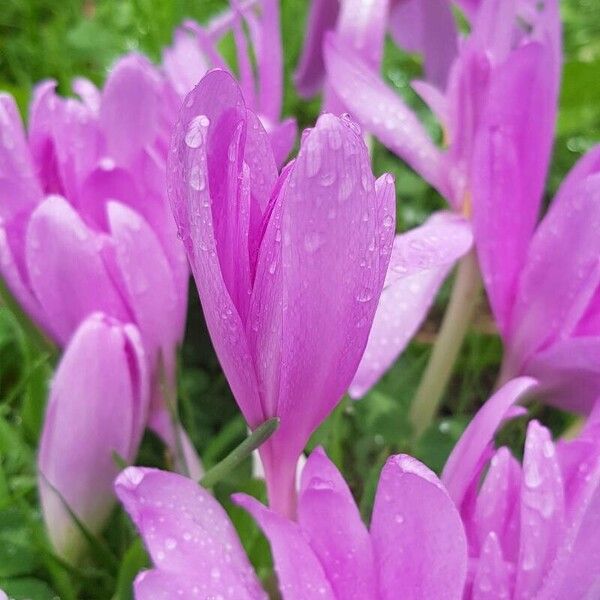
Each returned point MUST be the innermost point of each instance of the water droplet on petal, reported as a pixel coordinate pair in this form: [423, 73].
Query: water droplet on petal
[196, 130]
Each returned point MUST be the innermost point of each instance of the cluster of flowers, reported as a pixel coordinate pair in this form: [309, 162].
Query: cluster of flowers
[307, 293]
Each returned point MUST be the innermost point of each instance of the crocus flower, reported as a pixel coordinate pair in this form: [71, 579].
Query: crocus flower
[86, 225]
[97, 405]
[289, 267]
[497, 110]
[551, 326]
[532, 525]
[424, 27]
[194, 52]
[415, 548]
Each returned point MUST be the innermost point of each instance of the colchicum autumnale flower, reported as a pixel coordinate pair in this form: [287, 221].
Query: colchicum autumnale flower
[416, 544]
[497, 110]
[194, 52]
[551, 326]
[527, 531]
[533, 526]
[289, 267]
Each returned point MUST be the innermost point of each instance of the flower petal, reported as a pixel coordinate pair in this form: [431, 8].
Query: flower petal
[14, 273]
[497, 505]
[97, 406]
[576, 572]
[379, 109]
[129, 113]
[310, 73]
[418, 537]
[542, 511]
[462, 464]
[569, 373]
[428, 28]
[148, 282]
[299, 572]
[330, 519]
[187, 533]
[66, 269]
[491, 581]
[562, 271]
[421, 259]
[19, 187]
[312, 306]
[184, 62]
[215, 98]
[512, 152]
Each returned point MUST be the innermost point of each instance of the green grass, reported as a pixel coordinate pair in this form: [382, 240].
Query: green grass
[42, 39]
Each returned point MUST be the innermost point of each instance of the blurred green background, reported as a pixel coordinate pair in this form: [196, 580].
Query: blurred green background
[42, 39]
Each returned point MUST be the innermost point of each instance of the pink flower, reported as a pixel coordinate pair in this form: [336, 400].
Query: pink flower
[497, 111]
[551, 324]
[416, 542]
[194, 52]
[527, 531]
[532, 525]
[97, 405]
[289, 267]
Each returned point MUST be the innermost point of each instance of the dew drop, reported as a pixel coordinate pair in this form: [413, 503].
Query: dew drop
[194, 136]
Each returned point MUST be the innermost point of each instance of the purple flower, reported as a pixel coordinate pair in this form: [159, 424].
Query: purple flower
[289, 267]
[518, 532]
[86, 227]
[85, 221]
[497, 111]
[532, 525]
[194, 52]
[105, 366]
[416, 542]
[551, 324]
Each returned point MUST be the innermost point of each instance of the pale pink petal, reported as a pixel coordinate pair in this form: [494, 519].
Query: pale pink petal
[426, 27]
[497, 505]
[330, 519]
[97, 406]
[462, 465]
[509, 167]
[88, 92]
[379, 109]
[562, 271]
[19, 187]
[576, 572]
[66, 268]
[183, 62]
[190, 194]
[148, 283]
[421, 259]
[492, 578]
[569, 373]
[542, 511]
[418, 537]
[13, 272]
[130, 108]
[270, 61]
[299, 572]
[310, 73]
[188, 535]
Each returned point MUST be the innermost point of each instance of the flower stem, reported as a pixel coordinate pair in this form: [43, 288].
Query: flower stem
[260, 435]
[455, 325]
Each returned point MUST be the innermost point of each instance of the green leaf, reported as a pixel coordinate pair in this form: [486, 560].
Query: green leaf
[258, 437]
[134, 560]
[17, 554]
[27, 588]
